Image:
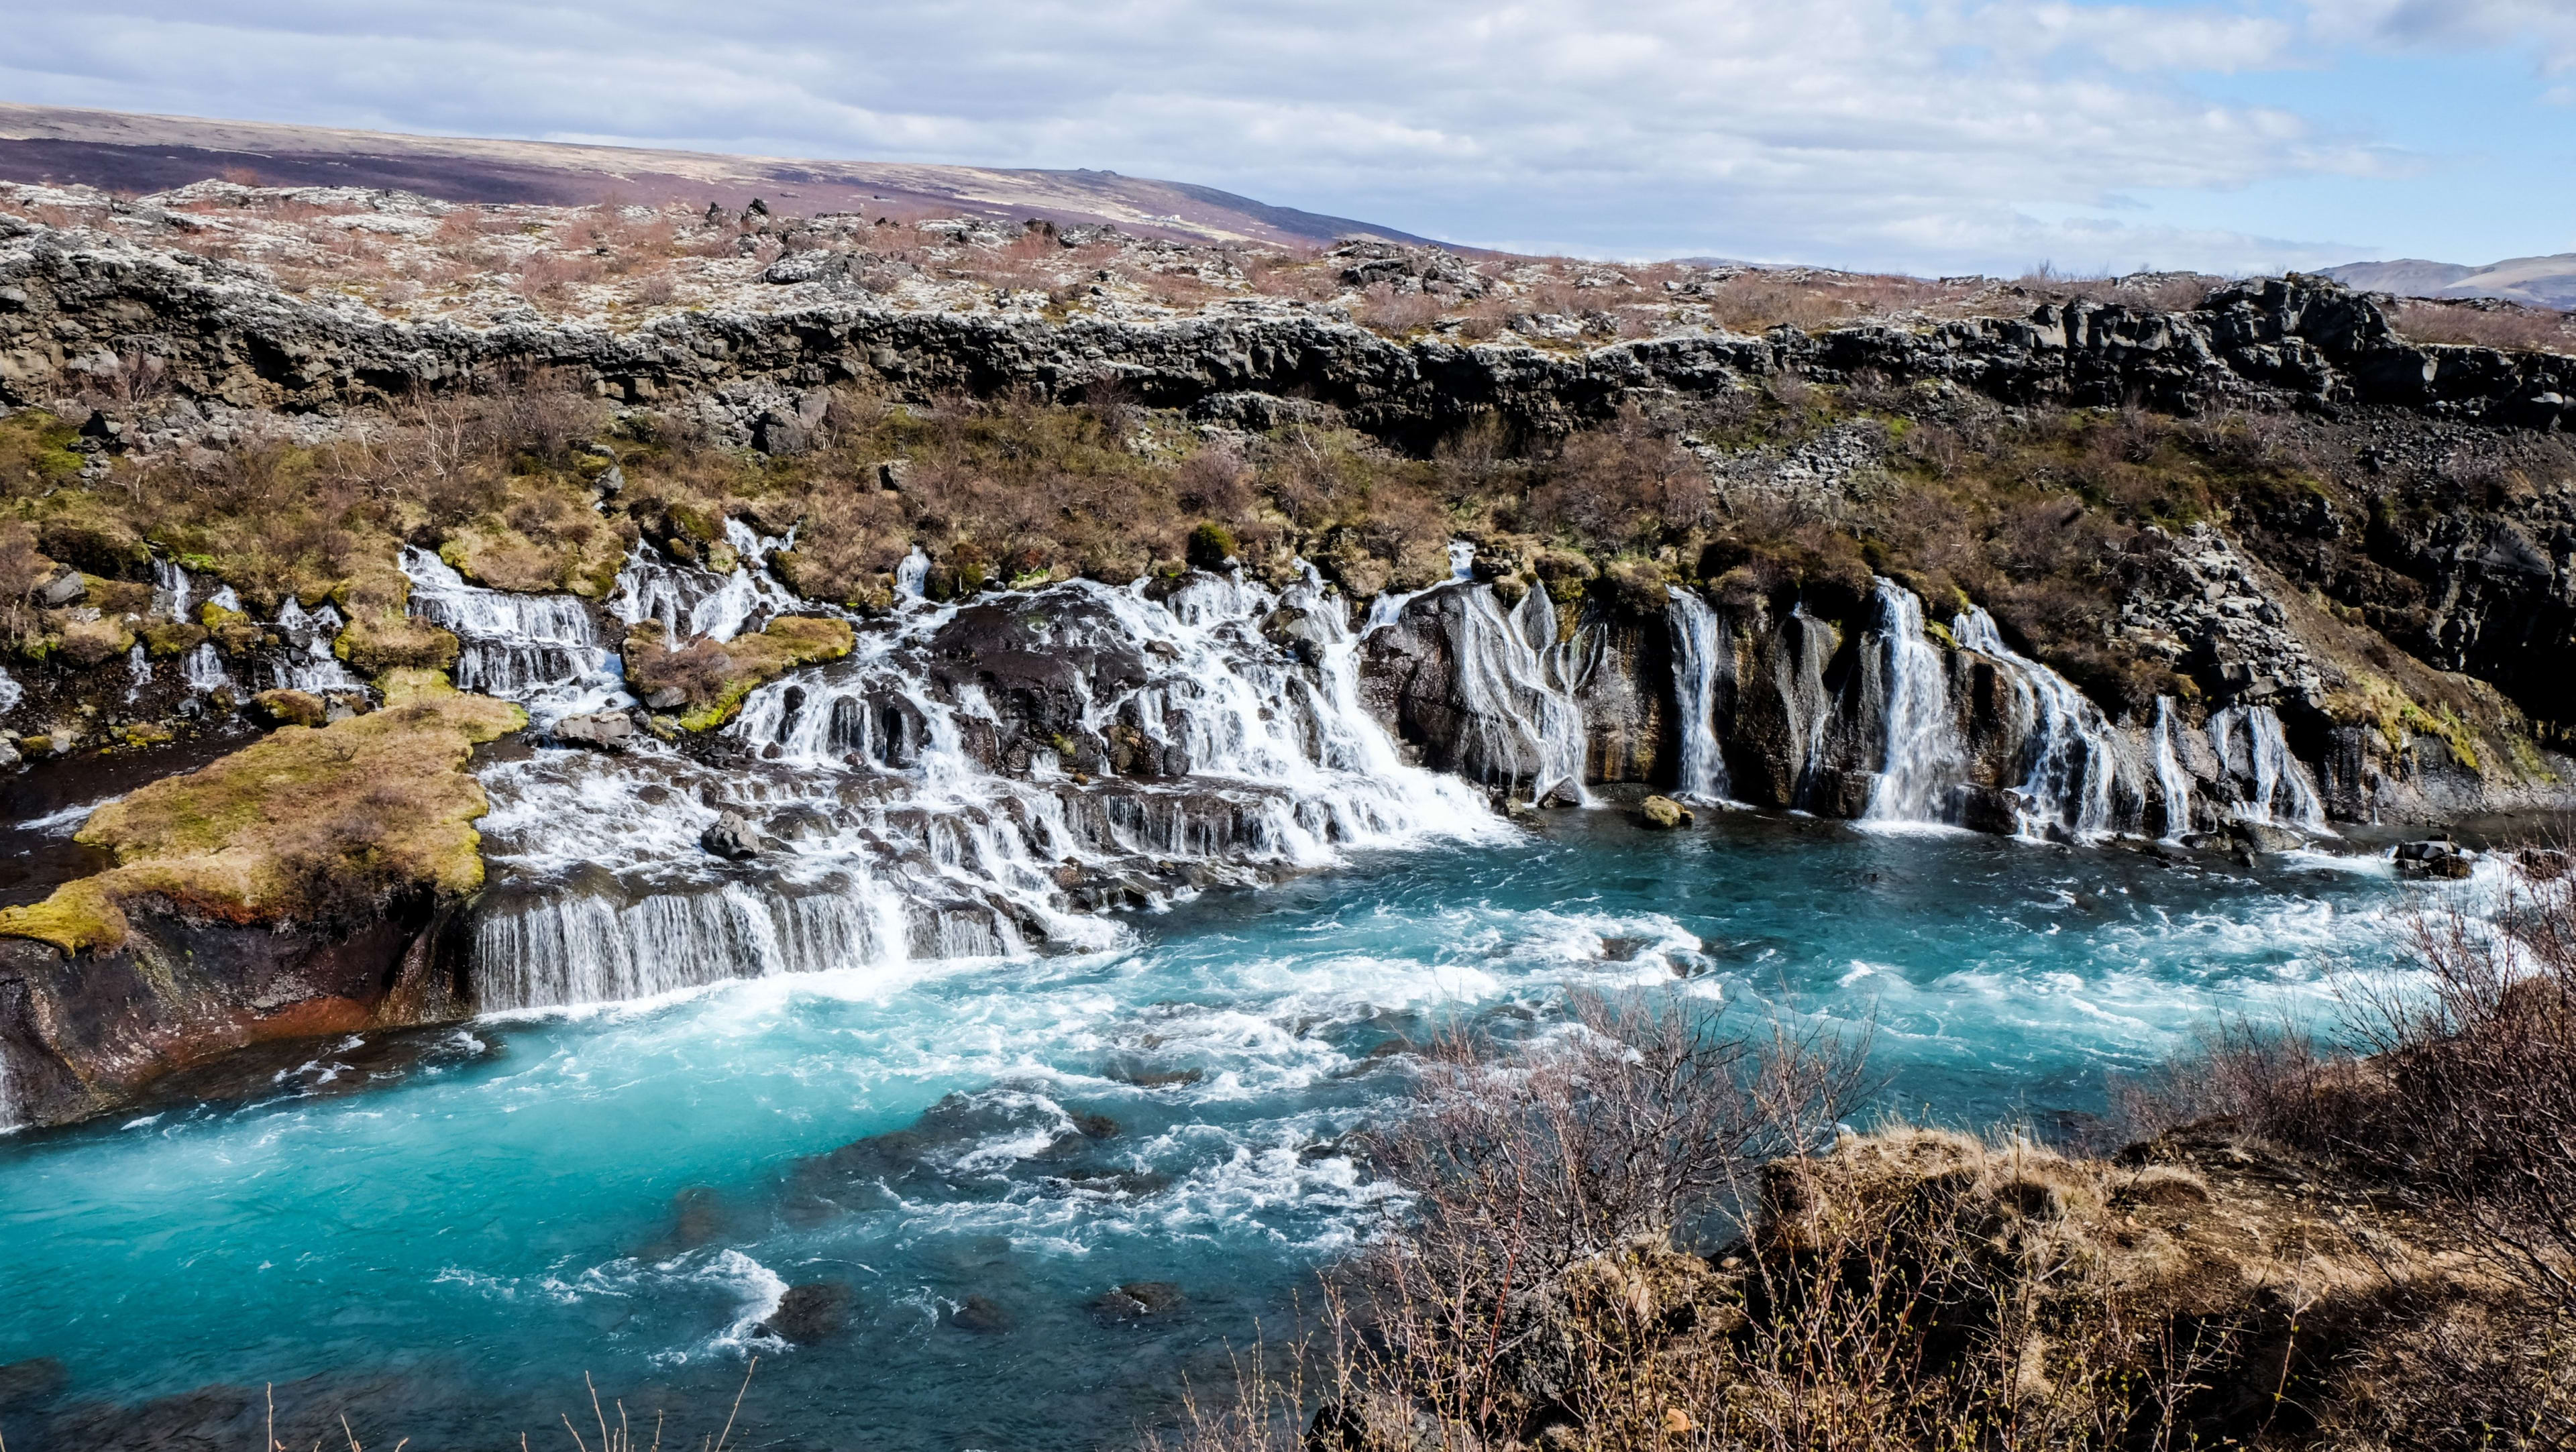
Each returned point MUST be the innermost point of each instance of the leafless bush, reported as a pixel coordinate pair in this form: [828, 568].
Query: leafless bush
[552, 274]
[2476, 1050]
[1641, 1124]
[1397, 313]
[2485, 325]
[1912, 1289]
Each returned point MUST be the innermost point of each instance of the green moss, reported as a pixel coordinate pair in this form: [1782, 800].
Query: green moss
[717, 676]
[376, 642]
[175, 637]
[289, 708]
[36, 451]
[292, 827]
[1210, 546]
[77, 916]
[2380, 703]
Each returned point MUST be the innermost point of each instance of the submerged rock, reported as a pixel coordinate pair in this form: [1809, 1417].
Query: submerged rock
[982, 1315]
[1137, 1300]
[810, 1313]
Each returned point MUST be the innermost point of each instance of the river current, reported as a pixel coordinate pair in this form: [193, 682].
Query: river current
[440, 1233]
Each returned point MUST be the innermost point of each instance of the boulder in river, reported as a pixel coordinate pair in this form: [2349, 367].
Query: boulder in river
[603, 731]
[732, 835]
[812, 1312]
[1137, 1300]
[1663, 813]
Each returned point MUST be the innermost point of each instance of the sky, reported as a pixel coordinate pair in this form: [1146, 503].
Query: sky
[1929, 136]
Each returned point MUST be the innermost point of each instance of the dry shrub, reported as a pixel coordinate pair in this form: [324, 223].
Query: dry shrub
[1619, 486]
[2485, 324]
[1397, 313]
[548, 275]
[2476, 1058]
[1913, 1289]
[1641, 1125]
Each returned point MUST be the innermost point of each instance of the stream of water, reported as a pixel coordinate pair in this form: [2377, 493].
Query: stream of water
[442, 1232]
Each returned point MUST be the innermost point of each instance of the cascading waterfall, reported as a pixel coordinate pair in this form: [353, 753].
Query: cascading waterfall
[2170, 776]
[689, 601]
[540, 650]
[2275, 786]
[1522, 716]
[1922, 755]
[172, 589]
[910, 573]
[138, 674]
[11, 693]
[1698, 636]
[900, 833]
[307, 663]
[2071, 752]
[203, 670]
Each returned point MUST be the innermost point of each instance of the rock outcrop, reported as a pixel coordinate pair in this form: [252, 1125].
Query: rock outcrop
[72, 299]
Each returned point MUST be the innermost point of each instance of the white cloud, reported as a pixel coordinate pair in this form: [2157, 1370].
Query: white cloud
[1919, 133]
[2544, 29]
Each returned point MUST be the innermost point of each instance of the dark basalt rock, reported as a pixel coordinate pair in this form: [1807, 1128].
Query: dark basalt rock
[233, 335]
[810, 1313]
[982, 1315]
[1137, 1300]
[733, 836]
[181, 991]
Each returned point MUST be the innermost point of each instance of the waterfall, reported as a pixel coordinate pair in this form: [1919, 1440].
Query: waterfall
[913, 814]
[203, 670]
[138, 674]
[540, 650]
[1922, 756]
[1462, 561]
[1522, 721]
[172, 589]
[2273, 786]
[2170, 776]
[2070, 759]
[908, 575]
[307, 663]
[11, 693]
[693, 602]
[1698, 636]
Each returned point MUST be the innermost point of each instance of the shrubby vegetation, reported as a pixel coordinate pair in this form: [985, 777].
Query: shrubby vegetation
[318, 826]
[1657, 1235]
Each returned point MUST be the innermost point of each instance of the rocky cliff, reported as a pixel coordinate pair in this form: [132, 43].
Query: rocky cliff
[72, 301]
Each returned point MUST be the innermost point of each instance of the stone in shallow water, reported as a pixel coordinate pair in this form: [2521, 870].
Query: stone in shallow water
[1663, 813]
[981, 1314]
[603, 731]
[812, 1312]
[732, 836]
[1137, 1300]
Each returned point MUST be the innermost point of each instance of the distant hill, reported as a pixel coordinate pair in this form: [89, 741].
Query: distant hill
[117, 150]
[2548, 282]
